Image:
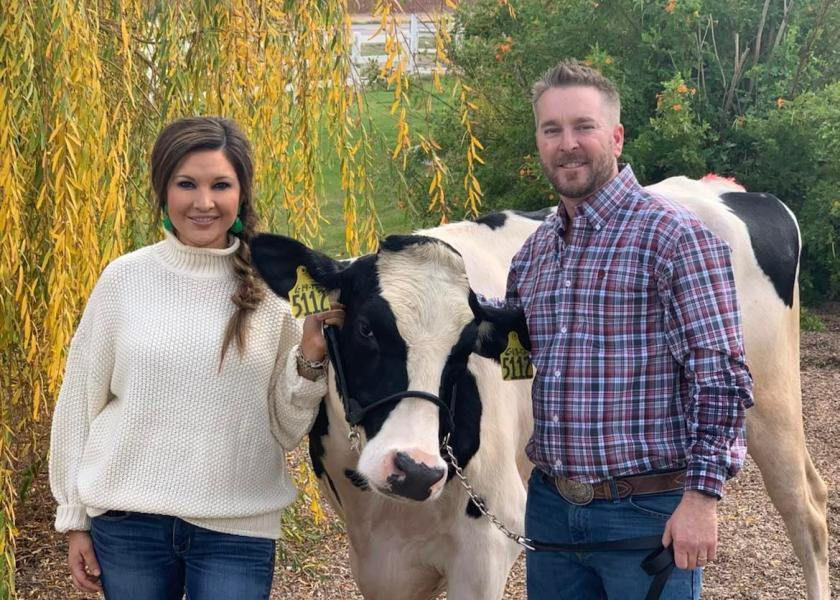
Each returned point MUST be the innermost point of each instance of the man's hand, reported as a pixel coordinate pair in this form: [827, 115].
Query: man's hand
[693, 530]
[84, 568]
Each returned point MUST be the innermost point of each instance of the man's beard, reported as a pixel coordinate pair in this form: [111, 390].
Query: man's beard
[601, 172]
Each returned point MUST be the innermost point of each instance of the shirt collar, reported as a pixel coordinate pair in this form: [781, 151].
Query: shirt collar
[600, 206]
[202, 262]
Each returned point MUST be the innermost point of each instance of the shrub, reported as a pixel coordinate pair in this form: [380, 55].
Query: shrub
[688, 106]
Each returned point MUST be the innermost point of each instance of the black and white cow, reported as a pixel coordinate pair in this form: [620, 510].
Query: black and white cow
[412, 323]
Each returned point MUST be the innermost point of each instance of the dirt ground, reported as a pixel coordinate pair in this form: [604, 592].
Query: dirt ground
[755, 560]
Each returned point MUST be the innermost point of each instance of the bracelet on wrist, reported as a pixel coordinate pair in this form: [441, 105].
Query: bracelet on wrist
[310, 369]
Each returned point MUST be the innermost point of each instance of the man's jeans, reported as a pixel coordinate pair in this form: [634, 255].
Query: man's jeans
[597, 575]
[153, 557]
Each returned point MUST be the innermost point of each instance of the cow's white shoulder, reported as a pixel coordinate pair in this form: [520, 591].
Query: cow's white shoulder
[487, 251]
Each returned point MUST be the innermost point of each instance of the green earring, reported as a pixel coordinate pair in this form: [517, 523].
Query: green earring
[236, 227]
[167, 224]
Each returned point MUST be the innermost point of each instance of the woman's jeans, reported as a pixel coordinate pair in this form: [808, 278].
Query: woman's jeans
[154, 557]
[597, 575]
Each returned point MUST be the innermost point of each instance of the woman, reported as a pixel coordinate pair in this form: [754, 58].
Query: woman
[184, 384]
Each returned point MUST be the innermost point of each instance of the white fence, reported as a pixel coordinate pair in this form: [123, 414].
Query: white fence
[416, 36]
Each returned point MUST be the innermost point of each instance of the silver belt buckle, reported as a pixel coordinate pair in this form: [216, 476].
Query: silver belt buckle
[575, 492]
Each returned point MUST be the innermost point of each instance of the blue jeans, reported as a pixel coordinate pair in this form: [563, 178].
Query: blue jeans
[597, 575]
[154, 557]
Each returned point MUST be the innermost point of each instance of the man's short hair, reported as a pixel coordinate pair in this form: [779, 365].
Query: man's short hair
[571, 72]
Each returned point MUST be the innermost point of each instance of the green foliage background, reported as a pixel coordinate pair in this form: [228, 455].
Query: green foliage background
[743, 88]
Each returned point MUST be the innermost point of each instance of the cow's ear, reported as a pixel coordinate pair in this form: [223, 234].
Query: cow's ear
[495, 326]
[277, 258]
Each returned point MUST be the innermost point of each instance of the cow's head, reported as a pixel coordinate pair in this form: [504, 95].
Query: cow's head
[411, 323]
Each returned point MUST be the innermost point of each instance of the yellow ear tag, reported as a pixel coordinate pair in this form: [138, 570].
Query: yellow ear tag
[307, 297]
[515, 360]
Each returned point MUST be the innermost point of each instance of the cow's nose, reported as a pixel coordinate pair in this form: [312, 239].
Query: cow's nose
[413, 480]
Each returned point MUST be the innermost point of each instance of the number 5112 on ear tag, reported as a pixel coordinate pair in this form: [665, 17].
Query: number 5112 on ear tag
[306, 297]
[515, 360]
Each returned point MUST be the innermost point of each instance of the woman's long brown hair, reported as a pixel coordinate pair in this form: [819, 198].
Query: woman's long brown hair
[175, 142]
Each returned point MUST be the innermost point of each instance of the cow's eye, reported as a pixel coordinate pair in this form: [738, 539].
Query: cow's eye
[364, 330]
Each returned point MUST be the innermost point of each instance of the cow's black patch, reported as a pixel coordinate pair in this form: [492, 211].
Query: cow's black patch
[472, 509]
[396, 243]
[466, 402]
[467, 436]
[320, 428]
[493, 220]
[277, 258]
[773, 236]
[357, 479]
[373, 353]
[536, 215]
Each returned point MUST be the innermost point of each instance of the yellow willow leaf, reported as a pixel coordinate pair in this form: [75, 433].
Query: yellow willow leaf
[433, 183]
[30, 355]
[19, 288]
[36, 399]
[478, 159]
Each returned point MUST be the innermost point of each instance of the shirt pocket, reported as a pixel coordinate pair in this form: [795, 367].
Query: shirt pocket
[620, 309]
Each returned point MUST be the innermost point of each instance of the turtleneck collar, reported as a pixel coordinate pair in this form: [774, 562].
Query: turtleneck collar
[197, 262]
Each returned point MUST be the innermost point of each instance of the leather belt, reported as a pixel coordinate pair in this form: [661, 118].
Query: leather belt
[581, 494]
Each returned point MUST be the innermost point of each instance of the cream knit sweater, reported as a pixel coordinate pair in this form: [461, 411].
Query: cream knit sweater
[146, 421]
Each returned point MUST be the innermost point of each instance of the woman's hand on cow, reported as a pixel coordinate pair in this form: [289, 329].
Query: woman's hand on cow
[84, 568]
[313, 346]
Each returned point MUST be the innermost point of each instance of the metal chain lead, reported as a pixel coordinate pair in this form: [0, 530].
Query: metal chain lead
[479, 502]
[355, 439]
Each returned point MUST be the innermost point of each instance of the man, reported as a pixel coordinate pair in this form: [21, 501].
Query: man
[641, 384]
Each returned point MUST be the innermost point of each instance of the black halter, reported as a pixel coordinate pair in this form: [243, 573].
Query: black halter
[355, 413]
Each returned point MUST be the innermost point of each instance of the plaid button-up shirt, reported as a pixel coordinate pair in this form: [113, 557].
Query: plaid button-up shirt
[636, 341]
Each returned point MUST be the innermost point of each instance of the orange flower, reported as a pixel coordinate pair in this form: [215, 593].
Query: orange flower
[670, 6]
[780, 102]
[677, 107]
[659, 100]
[682, 88]
[503, 48]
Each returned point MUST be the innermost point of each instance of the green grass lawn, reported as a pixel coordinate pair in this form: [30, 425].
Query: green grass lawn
[382, 131]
